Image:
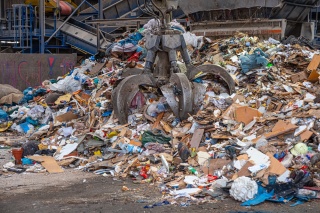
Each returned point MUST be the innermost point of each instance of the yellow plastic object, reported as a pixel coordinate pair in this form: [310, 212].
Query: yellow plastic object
[63, 98]
[199, 74]
[299, 149]
[112, 134]
[42, 146]
[97, 153]
[193, 152]
[5, 126]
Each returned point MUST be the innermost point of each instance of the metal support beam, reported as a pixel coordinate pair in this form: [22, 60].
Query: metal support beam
[98, 37]
[100, 12]
[57, 30]
[42, 25]
[300, 5]
[123, 21]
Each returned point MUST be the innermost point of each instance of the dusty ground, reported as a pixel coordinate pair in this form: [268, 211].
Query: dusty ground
[77, 191]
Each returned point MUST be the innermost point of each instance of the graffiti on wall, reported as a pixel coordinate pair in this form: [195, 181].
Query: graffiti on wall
[30, 70]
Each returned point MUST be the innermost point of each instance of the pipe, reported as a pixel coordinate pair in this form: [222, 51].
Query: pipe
[41, 17]
[2, 10]
[100, 10]
[59, 28]
[100, 14]
[98, 37]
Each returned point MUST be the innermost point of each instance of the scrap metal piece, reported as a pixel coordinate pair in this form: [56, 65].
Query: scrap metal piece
[123, 94]
[215, 70]
[167, 92]
[198, 94]
[185, 97]
[131, 71]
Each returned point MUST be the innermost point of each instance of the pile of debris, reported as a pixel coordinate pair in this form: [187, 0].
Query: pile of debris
[259, 144]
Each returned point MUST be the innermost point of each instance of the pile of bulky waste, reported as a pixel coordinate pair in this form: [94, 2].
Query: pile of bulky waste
[256, 145]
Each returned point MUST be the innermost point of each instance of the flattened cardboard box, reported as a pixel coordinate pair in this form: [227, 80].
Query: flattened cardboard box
[48, 162]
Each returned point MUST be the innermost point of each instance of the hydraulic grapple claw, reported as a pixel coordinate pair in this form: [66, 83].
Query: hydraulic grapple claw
[123, 94]
[183, 96]
[211, 69]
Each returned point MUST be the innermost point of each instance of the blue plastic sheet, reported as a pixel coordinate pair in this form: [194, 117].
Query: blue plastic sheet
[24, 126]
[280, 199]
[133, 38]
[31, 121]
[29, 94]
[107, 113]
[26, 161]
[261, 196]
[257, 59]
[3, 115]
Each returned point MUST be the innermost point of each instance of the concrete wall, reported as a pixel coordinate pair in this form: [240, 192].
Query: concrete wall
[25, 70]
[191, 6]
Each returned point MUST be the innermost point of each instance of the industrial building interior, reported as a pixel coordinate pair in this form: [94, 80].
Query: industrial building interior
[85, 26]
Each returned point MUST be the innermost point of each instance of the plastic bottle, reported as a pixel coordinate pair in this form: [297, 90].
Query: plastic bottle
[192, 170]
[135, 57]
[130, 148]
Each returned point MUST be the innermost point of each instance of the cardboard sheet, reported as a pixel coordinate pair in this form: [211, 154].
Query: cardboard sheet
[214, 164]
[280, 128]
[244, 171]
[48, 162]
[66, 117]
[275, 166]
[241, 113]
[306, 135]
[299, 77]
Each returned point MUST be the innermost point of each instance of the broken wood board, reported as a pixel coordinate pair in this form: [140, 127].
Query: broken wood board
[122, 158]
[9, 141]
[157, 122]
[214, 164]
[244, 171]
[166, 127]
[313, 65]
[66, 117]
[120, 127]
[299, 77]
[96, 69]
[315, 113]
[48, 162]
[220, 136]
[196, 138]
[133, 162]
[314, 76]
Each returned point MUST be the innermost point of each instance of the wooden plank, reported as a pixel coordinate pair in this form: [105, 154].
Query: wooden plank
[196, 138]
[157, 122]
[313, 65]
[96, 69]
